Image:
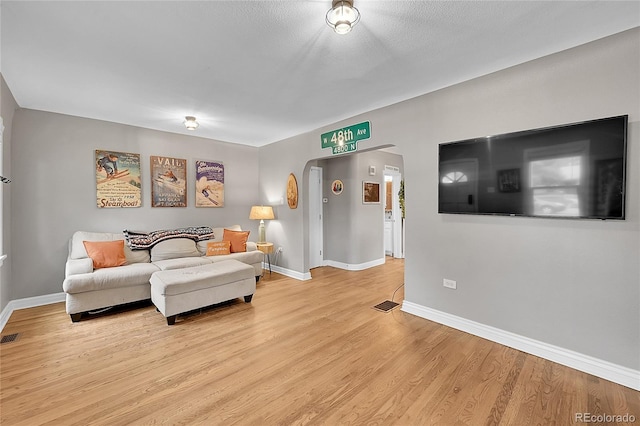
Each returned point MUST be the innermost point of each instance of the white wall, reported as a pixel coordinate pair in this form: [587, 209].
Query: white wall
[54, 190]
[570, 283]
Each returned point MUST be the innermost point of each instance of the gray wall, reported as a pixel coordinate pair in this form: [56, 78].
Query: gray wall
[8, 106]
[570, 283]
[287, 230]
[353, 231]
[290, 227]
[54, 189]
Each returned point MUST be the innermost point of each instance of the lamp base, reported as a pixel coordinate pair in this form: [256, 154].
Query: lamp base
[261, 232]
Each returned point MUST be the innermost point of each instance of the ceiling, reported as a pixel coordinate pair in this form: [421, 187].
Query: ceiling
[255, 72]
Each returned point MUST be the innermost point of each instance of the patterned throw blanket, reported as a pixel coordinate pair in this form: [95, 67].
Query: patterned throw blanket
[144, 241]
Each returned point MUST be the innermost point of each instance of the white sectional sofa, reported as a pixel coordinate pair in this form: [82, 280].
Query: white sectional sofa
[88, 289]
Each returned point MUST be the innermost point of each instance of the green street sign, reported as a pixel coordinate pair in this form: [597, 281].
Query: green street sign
[341, 149]
[341, 137]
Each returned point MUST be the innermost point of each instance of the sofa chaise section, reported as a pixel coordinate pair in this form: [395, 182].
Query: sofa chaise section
[102, 288]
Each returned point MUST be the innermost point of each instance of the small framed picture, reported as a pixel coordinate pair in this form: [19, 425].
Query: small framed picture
[509, 180]
[370, 192]
[336, 187]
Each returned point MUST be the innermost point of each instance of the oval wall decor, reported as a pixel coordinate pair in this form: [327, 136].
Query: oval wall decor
[337, 186]
[292, 191]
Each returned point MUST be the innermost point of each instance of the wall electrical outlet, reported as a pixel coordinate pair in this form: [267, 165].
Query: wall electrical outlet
[449, 283]
[280, 250]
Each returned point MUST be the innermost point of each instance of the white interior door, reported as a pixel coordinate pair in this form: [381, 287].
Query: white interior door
[316, 257]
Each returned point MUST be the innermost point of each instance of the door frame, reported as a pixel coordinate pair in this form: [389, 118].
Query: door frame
[396, 228]
[316, 217]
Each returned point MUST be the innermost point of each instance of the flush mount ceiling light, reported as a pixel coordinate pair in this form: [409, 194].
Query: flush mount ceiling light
[342, 16]
[190, 123]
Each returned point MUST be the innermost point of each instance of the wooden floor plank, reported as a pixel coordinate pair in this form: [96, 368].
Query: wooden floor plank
[303, 352]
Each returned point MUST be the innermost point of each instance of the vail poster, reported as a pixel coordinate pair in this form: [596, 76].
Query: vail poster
[168, 182]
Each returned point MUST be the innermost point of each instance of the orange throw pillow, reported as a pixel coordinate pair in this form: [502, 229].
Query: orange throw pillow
[106, 254]
[238, 240]
[216, 248]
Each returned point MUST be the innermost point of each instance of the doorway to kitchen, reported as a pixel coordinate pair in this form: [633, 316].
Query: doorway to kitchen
[393, 221]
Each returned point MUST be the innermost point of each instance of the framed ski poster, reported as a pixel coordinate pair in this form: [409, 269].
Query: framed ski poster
[118, 182]
[168, 182]
[209, 184]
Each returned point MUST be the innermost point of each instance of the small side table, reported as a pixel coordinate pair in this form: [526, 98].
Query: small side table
[266, 249]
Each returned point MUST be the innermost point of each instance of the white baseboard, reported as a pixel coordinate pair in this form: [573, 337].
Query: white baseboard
[287, 272]
[29, 302]
[307, 275]
[618, 374]
[355, 267]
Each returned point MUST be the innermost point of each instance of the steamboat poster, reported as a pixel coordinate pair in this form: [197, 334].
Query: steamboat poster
[209, 184]
[168, 182]
[117, 179]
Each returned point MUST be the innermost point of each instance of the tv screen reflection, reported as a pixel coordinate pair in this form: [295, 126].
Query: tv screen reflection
[571, 171]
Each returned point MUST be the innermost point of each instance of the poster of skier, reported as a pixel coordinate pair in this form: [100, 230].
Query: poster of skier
[117, 179]
[168, 182]
[209, 184]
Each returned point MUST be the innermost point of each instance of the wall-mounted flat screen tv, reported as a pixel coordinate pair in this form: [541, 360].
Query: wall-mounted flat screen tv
[576, 170]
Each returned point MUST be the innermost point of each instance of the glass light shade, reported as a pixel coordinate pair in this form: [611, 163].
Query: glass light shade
[190, 123]
[261, 212]
[342, 16]
[342, 27]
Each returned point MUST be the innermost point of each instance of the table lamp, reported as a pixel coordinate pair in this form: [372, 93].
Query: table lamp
[262, 213]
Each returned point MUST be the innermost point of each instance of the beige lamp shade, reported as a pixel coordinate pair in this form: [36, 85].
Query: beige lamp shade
[261, 212]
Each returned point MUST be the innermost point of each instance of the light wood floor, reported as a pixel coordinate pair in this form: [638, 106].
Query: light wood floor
[312, 352]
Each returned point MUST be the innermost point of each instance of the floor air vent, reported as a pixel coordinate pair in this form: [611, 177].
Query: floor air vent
[386, 306]
[9, 338]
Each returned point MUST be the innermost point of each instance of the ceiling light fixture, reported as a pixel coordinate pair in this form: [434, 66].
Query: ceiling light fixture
[190, 123]
[342, 16]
